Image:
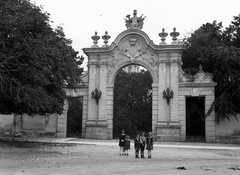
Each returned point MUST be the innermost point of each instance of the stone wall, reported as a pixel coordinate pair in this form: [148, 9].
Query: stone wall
[6, 124]
[228, 131]
[36, 125]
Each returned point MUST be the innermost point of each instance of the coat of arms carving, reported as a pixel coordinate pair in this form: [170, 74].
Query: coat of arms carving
[132, 51]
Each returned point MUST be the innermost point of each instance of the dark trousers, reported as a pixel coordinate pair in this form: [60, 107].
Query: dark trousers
[142, 150]
[137, 152]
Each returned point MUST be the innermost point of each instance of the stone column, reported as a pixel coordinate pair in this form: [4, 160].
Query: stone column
[163, 111]
[175, 64]
[93, 83]
[163, 80]
[102, 100]
[174, 126]
[109, 109]
[62, 122]
[154, 108]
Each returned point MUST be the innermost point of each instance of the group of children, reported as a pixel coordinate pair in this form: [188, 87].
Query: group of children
[141, 142]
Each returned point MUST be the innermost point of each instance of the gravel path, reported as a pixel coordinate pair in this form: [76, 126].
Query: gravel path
[54, 158]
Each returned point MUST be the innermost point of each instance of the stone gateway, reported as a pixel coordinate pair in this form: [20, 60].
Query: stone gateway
[171, 87]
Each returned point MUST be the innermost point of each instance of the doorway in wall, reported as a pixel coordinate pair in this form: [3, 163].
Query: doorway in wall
[74, 117]
[195, 120]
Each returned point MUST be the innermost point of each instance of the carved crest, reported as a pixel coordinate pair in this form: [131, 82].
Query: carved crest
[132, 51]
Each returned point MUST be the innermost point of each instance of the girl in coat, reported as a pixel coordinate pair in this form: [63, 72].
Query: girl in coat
[149, 143]
[121, 142]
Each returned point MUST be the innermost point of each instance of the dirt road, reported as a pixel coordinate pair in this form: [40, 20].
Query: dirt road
[43, 158]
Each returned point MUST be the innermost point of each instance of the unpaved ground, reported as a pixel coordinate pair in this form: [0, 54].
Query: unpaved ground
[39, 158]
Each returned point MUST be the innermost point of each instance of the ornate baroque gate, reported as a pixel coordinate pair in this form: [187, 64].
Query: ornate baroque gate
[170, 85]
[133, 46]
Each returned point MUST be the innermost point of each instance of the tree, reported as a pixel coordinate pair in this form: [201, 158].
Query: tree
[218, 51]
[36, 61]
[133, 102]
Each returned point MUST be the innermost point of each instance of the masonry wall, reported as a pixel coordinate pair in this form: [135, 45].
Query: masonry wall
[36, 125]
[228, 131]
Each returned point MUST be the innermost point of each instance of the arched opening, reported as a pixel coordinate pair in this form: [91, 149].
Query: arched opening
[132, 109]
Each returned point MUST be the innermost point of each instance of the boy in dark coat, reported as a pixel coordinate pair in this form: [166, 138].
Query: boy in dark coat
[137, 144]
[143, 142]
[127, 144]
[121, 142]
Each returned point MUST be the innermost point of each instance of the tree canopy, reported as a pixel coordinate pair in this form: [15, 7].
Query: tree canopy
[132, 102]
[218, 51]
[35, 60]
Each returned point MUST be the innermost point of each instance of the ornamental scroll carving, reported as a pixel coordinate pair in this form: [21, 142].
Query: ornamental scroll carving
[199, 77]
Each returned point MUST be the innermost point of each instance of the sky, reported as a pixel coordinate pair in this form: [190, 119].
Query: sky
[81, 18]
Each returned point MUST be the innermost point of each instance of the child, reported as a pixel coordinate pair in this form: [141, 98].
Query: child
[127, 145]
[149, 144]
[137, 144]
[121, 142]
[142, 145]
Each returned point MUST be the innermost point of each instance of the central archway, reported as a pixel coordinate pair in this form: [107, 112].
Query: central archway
[132, 101]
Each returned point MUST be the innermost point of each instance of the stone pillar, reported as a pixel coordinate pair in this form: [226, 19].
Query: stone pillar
[163, 111]
[96, 125]
[168, 128]
[62, 122]
[102, 124]
[174, 125]
[175, 64]
[109, 110]
[154, 109]
[102, 100]
[163, 79]
[93, 83]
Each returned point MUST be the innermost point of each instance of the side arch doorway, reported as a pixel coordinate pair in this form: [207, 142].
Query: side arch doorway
[132, 101]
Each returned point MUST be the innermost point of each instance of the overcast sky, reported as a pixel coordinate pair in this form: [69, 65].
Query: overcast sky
[81, 18]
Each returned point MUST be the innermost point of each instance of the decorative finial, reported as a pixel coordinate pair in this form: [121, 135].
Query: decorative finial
[106, 37]
[174, 34]
[95, 39]
[200, 70]
[163, 36]
[134, 22]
